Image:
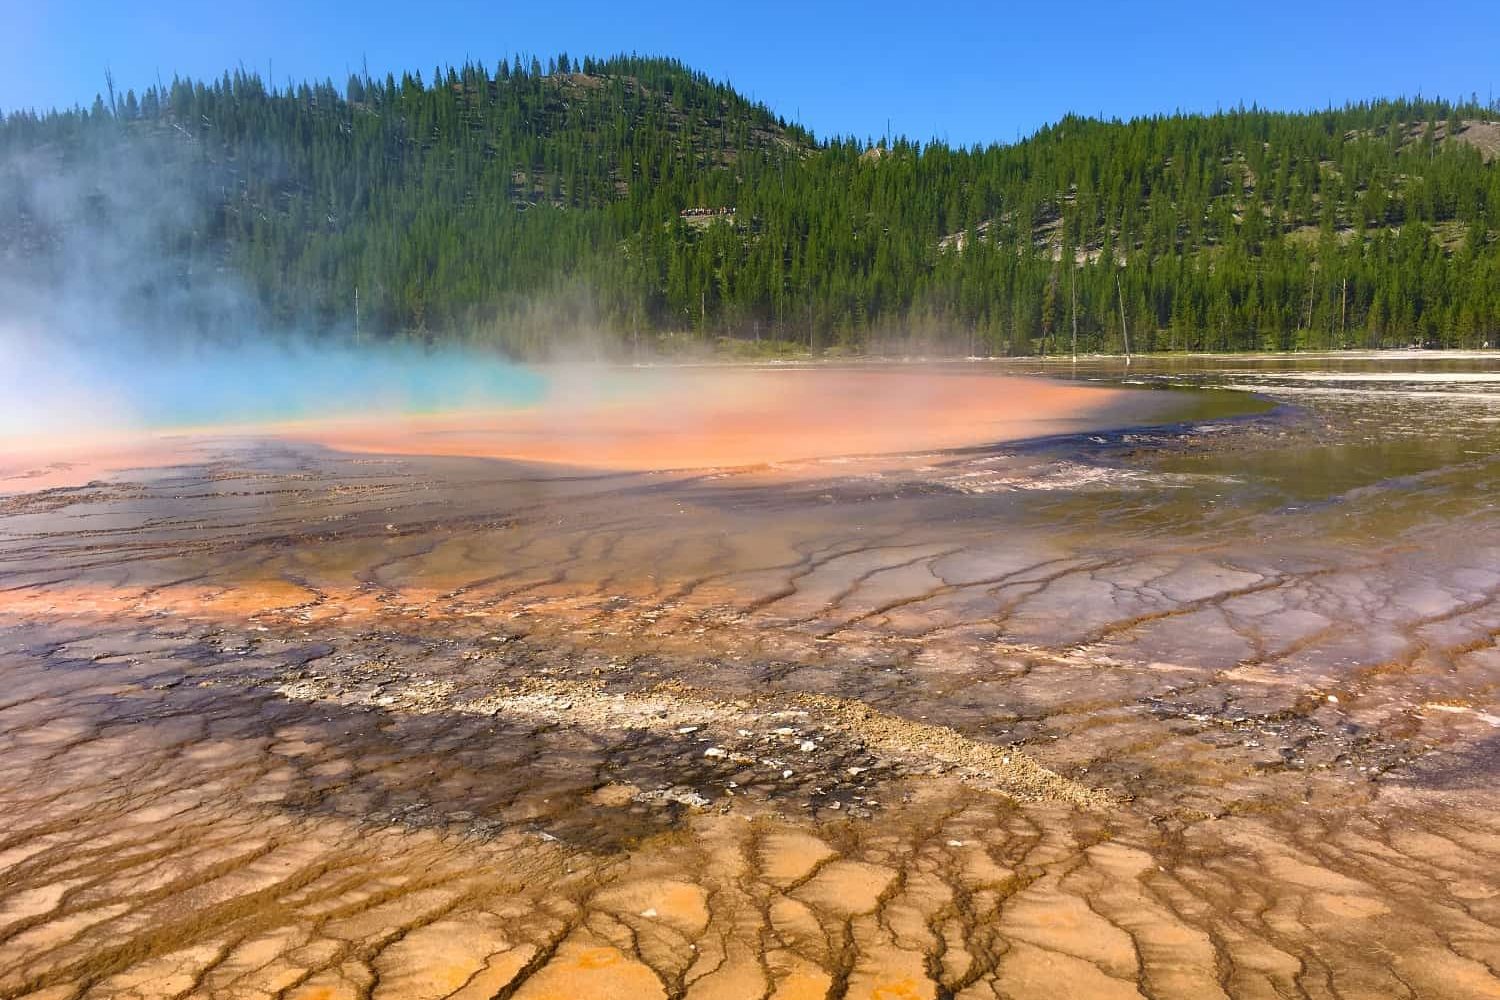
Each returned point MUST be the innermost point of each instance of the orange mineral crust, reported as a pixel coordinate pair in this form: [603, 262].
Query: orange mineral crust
[766, 683]
[696, 418]
[41, 462]
[634, 419]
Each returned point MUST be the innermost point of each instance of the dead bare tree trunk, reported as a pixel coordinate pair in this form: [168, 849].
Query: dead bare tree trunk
[1308, 325]
[1073, 292]
[1343, 313]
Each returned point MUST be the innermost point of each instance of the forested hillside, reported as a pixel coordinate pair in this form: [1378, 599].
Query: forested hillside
[634, 198]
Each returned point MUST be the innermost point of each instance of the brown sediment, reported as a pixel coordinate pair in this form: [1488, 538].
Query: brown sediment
[892, 740]
[281, 722]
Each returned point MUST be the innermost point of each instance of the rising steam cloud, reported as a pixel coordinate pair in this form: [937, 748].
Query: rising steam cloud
[118, 313]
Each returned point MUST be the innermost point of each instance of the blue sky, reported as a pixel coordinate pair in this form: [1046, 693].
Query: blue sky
[961, 71]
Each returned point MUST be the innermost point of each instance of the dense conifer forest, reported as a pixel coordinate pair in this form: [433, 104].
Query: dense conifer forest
[519, 203]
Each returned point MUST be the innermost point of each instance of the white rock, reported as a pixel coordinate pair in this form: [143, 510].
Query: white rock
[714, 752]
[648, 913]
[786, 774]
[955, 843]
[808, 746]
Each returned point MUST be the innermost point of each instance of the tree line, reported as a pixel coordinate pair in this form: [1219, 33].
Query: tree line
[518, 203]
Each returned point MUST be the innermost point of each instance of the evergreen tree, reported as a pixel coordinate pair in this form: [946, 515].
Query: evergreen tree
[634, 195]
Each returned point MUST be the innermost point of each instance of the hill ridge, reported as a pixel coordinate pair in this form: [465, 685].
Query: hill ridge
[634, 196]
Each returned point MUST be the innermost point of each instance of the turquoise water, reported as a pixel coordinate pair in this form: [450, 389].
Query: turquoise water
[277, 385]
[48, 391]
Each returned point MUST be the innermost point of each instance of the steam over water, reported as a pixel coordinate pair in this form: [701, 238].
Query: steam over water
[1156, 694]
[116, 321]
[47, 391]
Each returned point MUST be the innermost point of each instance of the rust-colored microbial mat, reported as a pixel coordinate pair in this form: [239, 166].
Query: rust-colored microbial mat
[676, 419]
[770, 684]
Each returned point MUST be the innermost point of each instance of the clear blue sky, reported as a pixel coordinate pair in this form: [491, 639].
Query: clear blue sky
[961, 71]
